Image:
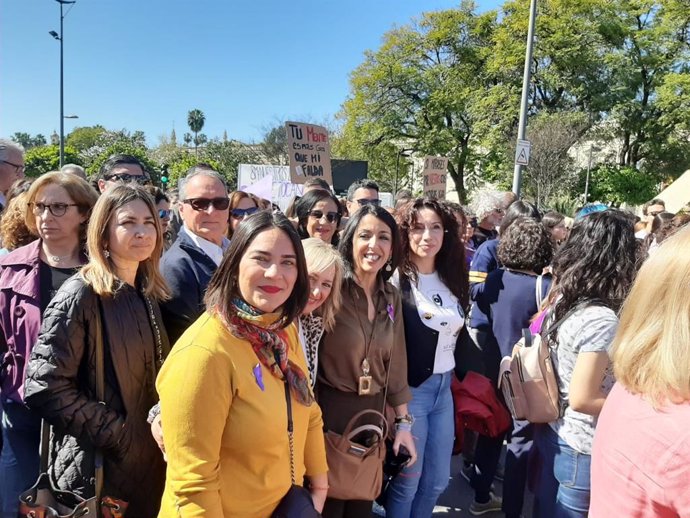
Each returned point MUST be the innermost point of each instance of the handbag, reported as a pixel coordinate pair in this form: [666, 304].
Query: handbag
[356, 457]
[44, 500]
[297, 502]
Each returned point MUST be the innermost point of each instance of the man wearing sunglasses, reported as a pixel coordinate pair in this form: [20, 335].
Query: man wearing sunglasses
[198, 249]
[122, 168]
[360, 193]
[11, 167]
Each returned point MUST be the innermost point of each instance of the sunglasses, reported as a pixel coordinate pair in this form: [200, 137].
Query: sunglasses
[332, 217]
[162, 213]
[141, 179]
[364, 202]
[56, 209]
[241, 213]
[204, 203]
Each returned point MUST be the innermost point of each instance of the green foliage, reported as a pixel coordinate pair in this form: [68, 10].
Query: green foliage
[125, 147]
[621, 184]
[178, 167]
[84, 137]
[27, 141]
[43, 159]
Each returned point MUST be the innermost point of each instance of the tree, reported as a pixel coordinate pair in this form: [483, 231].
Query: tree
[274, 145]
[428, 90]
[550, 167]
[27, 141]
[44, 159]
[617, 184]
[84, 137]
[195, 121]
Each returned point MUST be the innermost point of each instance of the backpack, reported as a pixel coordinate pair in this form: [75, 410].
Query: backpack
[528, 380]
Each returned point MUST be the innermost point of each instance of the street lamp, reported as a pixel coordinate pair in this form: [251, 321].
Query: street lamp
[61, 38]
[592, 147]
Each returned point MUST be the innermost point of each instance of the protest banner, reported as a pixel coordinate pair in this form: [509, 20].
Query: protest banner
[283, 190]
[434, 176]
[310, 152]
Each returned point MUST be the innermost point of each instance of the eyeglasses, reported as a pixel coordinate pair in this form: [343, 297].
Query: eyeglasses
[162, 213]
[56, 209]
[241, 213]
[364, 201]
[204, 203]
[18, 168]
[331, 217]
[141, 179]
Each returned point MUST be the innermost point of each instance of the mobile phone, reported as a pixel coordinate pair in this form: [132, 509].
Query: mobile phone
[395, 463]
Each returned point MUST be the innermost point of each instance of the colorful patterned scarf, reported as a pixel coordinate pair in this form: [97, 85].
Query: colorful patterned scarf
[263, 331]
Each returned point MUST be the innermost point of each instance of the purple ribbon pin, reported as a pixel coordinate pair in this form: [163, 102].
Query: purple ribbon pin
[259, 377]
[391, 313]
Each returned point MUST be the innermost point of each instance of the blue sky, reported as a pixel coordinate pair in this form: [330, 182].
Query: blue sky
[142, 65]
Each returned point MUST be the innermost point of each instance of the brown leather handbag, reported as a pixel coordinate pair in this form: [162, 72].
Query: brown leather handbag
[44, 500]
[355, 458]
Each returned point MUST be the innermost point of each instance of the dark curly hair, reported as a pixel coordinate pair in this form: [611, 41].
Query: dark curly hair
[346, 241]
[306, 203]
[450, 260]
[598, 262]
[526, 245]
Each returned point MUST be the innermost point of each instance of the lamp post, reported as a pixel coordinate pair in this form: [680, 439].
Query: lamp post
[527, 73]
[592, 147]
[61, 39]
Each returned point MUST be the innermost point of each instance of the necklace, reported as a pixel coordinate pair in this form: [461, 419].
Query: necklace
[59, 258]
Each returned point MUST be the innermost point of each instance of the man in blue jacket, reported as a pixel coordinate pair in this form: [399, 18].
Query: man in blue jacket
[198, 250]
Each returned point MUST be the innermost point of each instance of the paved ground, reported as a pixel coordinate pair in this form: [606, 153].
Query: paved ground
[458, 497]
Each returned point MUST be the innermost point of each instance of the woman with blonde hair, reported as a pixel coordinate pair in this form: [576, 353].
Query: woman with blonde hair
[641, 455]
[56, 209]
[326, 269]
[13, 230]
[114, 301]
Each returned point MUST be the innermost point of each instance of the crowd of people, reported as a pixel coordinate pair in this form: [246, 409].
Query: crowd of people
[210, 354]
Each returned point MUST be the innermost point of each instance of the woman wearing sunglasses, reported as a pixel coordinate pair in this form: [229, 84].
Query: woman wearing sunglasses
[318, 215]
[56, 210]
[242, 205]
[163, 207]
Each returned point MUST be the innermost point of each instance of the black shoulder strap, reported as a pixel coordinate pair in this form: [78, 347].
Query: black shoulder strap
[100, 393]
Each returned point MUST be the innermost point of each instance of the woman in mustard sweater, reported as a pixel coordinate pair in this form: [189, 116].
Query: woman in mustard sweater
[222, 391]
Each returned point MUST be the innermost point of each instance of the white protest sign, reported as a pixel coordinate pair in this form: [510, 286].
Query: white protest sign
[283, 189]
[434, 177]
[522, 152]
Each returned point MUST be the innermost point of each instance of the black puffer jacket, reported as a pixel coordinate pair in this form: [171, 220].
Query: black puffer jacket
[61, 383]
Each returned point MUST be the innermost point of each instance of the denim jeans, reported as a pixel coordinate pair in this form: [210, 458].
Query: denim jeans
[414, 492]
[563, 486]
[20, 457]
[516, 467]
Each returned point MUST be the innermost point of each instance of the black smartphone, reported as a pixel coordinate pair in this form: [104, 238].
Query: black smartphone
[395, 463]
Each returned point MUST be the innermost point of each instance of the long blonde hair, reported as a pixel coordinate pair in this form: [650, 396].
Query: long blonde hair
[320, 257]
[100, 273]
[651, 351]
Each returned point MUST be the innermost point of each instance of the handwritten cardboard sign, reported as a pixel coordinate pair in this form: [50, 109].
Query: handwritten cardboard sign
[434, 175]
[283, 190]
[309, 148]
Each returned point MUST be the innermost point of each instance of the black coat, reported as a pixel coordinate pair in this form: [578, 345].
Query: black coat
[187, 270]
[60, 385]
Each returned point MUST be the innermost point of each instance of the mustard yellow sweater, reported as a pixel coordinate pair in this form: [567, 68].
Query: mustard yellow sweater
[225, 438]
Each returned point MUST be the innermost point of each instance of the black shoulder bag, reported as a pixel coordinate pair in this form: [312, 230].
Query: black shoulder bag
[44, 499]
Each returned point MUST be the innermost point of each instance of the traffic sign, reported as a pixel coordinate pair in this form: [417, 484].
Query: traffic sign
[522, 152]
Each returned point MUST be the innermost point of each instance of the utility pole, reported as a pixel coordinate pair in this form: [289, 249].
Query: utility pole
[527, 75]
[61, 38]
